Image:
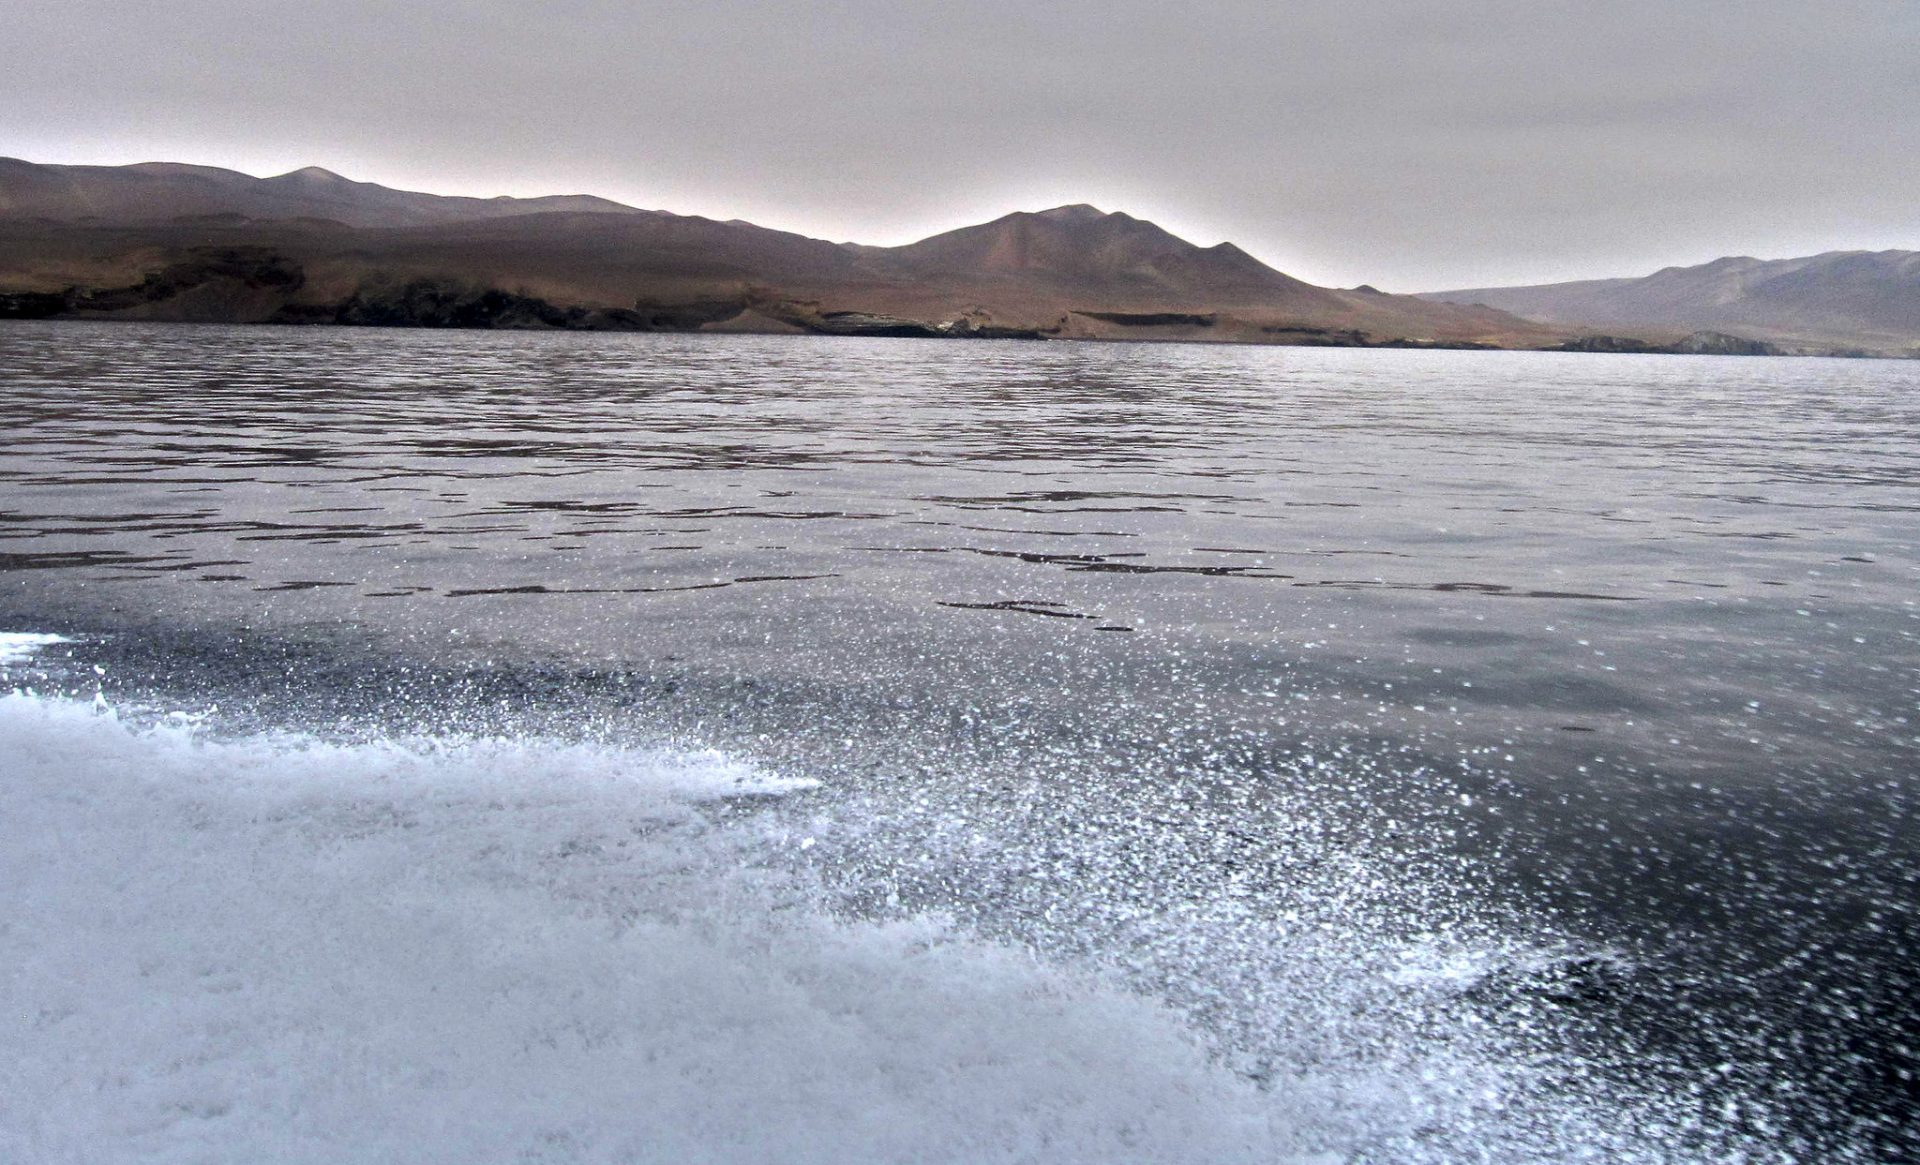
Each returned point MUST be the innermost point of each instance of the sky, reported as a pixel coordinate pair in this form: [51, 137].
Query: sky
[1410, 145]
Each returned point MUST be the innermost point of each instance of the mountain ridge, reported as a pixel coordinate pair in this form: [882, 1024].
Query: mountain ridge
[157, 191]
[1848, 298]
[177, 241]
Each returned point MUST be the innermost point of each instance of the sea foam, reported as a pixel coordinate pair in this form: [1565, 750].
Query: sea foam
[280, 949]
[18, 647]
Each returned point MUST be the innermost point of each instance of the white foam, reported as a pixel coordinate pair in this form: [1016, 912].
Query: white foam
[17, 647]
[276, 949]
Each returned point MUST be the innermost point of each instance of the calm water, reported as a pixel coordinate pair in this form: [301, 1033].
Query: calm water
[1490, 756]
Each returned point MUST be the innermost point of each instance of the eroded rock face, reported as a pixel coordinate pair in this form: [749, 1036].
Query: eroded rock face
[426, 303]
[1722, 344]
[862, 323]
[434, 303]
[258, 285]
[1155, 319]
[1309, 337]
[866, 323]
[1429, 345]
[1697, 344]
[970, 328]
[1606, 344]
[220, 280]
[32, 305]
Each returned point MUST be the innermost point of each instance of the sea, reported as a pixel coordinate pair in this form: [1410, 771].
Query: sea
[534, 747]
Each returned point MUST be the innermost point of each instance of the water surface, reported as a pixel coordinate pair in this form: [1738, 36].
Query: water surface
[1514, 750]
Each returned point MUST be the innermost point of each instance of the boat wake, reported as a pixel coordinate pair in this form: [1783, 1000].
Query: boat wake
[280, 947]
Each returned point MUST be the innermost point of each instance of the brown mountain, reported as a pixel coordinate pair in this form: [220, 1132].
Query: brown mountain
[1081, 247]
[1866, 300]
[163, 241]
[159, 191]
[1082, 255]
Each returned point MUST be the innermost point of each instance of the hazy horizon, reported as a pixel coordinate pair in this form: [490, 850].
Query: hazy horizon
[1413, 147]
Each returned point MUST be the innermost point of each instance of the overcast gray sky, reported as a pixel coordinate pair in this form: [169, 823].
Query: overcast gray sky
[1411, 145]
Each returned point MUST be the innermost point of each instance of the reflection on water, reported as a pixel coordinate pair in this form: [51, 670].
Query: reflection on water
[1711, 528]
[1656, 619]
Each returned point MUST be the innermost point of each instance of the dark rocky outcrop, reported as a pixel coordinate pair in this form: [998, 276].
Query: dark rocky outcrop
[1721, 344]
[34, 305]
[1607, 344]
[1307, 337]
[968, 328]
[865, 323]
[1697, 344]
[1152, 319]
[1437, 345]
[434, 303]
[427, 303]
[228, 273]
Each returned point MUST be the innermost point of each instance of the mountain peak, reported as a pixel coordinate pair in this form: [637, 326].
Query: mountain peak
[1097, 251]
[1076, 212]
[313, 175]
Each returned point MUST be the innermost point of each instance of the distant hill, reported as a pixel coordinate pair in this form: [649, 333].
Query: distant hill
[1848, 299]
[1082, 246]
[168, 241]
[160, 191]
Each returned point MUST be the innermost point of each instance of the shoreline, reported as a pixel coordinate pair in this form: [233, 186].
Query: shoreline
[1597, 345]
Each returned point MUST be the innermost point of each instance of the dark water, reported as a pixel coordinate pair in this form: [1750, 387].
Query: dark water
[1558, 712]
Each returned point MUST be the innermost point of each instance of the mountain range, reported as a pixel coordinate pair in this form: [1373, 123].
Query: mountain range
[166, 241]
[151, 191]
[1867, 300]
